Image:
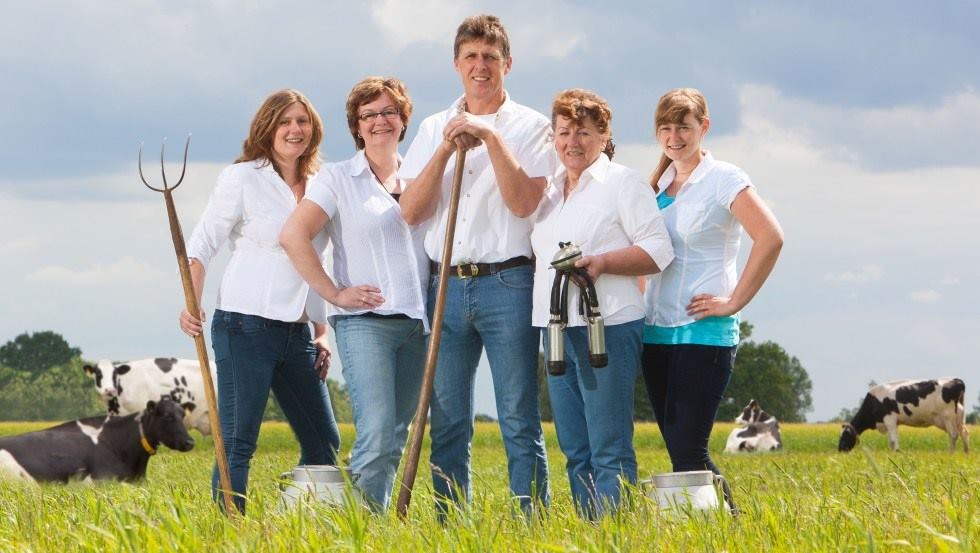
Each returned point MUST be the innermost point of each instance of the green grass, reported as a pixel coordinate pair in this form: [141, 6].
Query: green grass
[806, 498]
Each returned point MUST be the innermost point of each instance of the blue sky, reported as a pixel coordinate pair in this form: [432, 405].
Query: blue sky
[859, 124]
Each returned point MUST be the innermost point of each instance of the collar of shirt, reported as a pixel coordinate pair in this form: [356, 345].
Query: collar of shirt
[505, 110]
[359, 164]
[707, 162]
[597, 171]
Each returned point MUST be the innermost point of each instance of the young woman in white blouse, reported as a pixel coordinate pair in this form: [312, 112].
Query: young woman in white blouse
[611, 214]
[692, 307]
[380, 271]
[261, 328]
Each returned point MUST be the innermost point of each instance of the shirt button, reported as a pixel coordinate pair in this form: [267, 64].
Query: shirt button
[470, 171]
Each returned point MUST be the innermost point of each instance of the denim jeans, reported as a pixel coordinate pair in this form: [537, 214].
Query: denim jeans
[593, 410]
[253, 355]
[383, 364]
[685, 383]
[492, 312]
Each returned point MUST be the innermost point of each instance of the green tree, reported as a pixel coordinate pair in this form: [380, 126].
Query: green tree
[768, 374]
[63, 392]
[974, 417]
[37, 352]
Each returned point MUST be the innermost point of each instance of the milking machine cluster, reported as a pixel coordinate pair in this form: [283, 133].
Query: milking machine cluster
[564, 264]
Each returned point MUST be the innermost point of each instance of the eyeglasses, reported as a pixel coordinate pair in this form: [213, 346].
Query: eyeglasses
[387, 113]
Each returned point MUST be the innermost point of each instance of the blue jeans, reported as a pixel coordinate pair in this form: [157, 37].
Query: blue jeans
[593, 410]
[685, 383]
[253, 355]
[383, 364]
[492, 311]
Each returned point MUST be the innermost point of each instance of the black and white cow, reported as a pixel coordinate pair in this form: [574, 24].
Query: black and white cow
[126, 387]
[100, 448]
[759, 431]
[915, 403]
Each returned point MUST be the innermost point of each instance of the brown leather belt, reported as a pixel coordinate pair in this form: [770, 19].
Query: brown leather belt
[470, 270]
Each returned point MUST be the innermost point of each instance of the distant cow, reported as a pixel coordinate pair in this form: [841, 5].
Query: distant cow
[759, 432]
[912, 402]
[115, 448]
[126, 387]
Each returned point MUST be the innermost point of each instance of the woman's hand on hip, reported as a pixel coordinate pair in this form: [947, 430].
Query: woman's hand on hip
[189, 325]
[707, 305]
[358, 297]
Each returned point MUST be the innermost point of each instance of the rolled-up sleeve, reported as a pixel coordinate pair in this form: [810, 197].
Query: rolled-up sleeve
[321, 191]
[223, 212]
[420, 151]
[643, 222]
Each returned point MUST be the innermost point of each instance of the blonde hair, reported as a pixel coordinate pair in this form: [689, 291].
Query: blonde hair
[673, 107]
[369, 90]
[262, 132]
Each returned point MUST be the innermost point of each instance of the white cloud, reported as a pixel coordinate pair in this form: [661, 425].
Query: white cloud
[18, 245]
[949, 280]
[882, 138]
[435, 21]
[126, 270]
[925, 296]
[867, 273]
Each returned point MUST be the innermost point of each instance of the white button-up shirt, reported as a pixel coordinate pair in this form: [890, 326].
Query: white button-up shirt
[706, 237]
[486, 230]
[372, 244]
[248, 207]
[611, 208]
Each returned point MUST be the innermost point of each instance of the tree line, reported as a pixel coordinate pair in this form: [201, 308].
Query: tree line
[41, 378]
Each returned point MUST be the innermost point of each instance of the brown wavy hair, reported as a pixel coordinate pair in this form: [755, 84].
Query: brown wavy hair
[578, 104]
[262, 132]
[369, 90]
[673, 107]
[486, 28]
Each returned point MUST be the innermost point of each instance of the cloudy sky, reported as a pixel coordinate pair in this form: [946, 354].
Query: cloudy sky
[859, 124]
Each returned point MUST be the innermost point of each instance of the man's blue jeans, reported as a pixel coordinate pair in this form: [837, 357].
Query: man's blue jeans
[254, 355]
[492, 312]
[383, 364]
[593, 410]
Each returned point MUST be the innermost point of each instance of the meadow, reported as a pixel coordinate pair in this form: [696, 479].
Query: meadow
[805, 498]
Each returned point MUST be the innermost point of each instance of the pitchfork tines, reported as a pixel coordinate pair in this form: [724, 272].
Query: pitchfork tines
[163, 171]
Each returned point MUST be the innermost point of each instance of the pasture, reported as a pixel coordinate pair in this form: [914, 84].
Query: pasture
[805, 498]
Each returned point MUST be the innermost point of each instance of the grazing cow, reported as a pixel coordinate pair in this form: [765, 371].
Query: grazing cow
[114, 448]
[126, 387]
[759, 431]
[915, 403]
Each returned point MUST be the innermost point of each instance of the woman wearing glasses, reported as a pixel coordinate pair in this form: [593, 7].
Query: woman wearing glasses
[377, 291]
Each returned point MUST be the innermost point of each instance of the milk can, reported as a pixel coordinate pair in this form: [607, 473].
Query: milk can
[679, 491]
[319, 483]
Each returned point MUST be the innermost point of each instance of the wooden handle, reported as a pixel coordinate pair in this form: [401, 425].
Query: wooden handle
[190, 299]
[432, 355]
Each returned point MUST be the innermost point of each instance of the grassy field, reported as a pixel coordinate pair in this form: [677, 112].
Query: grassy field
[806, 498]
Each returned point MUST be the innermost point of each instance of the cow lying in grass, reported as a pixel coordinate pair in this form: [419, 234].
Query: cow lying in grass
[126, 387]
[759, 431]
[912, 402]
[110, 448]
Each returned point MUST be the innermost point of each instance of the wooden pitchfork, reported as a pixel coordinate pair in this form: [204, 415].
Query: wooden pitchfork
[432, 355]
[192, 307]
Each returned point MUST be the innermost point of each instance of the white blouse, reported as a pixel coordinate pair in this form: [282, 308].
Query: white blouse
[372, 244]
[706, 238]
[611, 208]
[248, 207]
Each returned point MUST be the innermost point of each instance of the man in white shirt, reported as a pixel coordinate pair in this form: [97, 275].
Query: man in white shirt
[488, 301]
